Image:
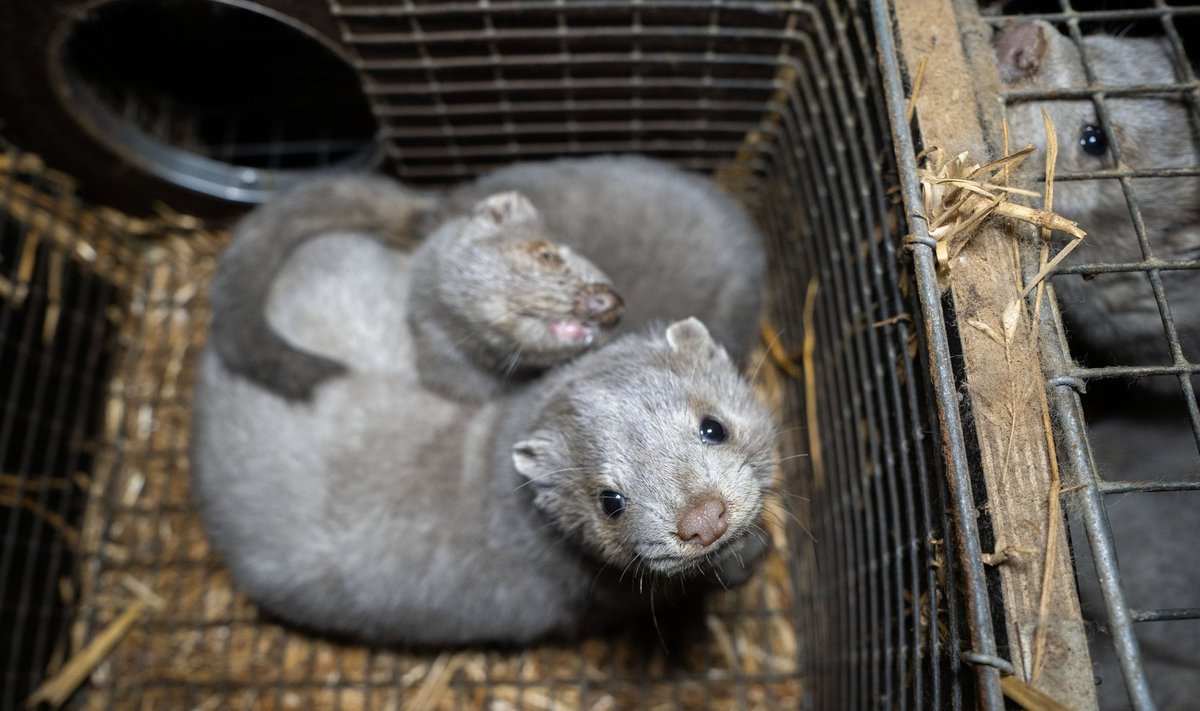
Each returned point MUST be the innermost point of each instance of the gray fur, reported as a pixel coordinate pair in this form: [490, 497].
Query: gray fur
[263, 242]
[674, 243]
[485, 303]
[1156, 535]
[488, 292]
[1115, 314]
[1116, 319]
[387, 511]
[681, 246]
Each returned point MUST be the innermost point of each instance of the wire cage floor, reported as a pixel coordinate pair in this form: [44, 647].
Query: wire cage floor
[198, 643]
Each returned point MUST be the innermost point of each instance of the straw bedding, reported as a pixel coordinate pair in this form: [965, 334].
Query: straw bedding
[187, 639]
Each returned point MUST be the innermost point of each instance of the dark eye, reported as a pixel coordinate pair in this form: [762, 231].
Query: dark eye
[712, 431]
[1093, 141]
[613, 503]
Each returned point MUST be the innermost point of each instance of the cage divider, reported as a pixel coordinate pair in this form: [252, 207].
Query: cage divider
[1017, 482]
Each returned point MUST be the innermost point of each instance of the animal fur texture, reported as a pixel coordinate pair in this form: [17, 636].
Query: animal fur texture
[495, 299]
[674, 243]
[1156, 535]
[681, 246]
[387, 511]
[1114, 315]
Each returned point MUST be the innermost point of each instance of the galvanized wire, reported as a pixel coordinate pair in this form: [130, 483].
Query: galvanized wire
[53, 372]
[1085, 490]
[462, 87]
[786, 102]
[953, 440]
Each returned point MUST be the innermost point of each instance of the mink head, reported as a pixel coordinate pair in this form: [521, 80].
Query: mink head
[653, 453]
[520, 299]
[1151, 130]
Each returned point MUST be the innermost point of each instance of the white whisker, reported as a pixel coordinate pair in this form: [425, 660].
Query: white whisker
[549, 473]
[766, 351]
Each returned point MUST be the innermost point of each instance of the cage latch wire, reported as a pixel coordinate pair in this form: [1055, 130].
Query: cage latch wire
[990, 660]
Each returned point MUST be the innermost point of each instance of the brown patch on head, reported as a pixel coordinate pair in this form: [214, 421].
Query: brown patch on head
[546, 253]
[422, 223]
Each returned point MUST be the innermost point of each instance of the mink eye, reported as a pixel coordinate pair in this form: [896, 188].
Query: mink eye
[1093, 141]
[712, 431]
[544, 252]
[613, 503]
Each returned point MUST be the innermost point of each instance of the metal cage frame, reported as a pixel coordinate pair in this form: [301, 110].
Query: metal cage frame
[1067, 380]
[800, 109]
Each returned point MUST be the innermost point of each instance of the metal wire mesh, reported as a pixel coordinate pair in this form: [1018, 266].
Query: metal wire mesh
[56, 340]
[785, 103]
[1139, 506]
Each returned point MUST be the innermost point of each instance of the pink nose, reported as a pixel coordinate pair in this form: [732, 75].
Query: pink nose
[598, 303]
[703, 522]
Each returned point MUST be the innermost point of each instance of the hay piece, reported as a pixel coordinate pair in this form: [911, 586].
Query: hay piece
[49, 518]
[54, 298]
[1054, 517]
[904, 317]
[14, 292]
[958, 195]
[810, 383]
[25, 266]
[724, 642]
[58, 688]
[437, 680]
[1051, 163]
[911, 108]
[1028, 697]
[143, 592]
[16, 482]
[779, 356]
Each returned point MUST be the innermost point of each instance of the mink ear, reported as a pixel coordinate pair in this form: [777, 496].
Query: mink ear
[1021, 48]
[691, 337]
[534, 457]
[504, 208]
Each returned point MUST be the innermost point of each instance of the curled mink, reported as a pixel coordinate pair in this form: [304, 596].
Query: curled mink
[391, 513]
[493, 302]
[677, 245]
[1114, 315]
[265, 239]
[673, 242]
[499, 297]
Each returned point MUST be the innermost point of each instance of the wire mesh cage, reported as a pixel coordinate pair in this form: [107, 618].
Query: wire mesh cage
[1125, 399]
[1118, 364]
[886, 585]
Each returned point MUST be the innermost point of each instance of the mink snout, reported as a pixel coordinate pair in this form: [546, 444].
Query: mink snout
[599, 304]
[704, 522]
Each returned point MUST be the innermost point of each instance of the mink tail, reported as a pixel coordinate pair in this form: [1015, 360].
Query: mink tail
[264, 241]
